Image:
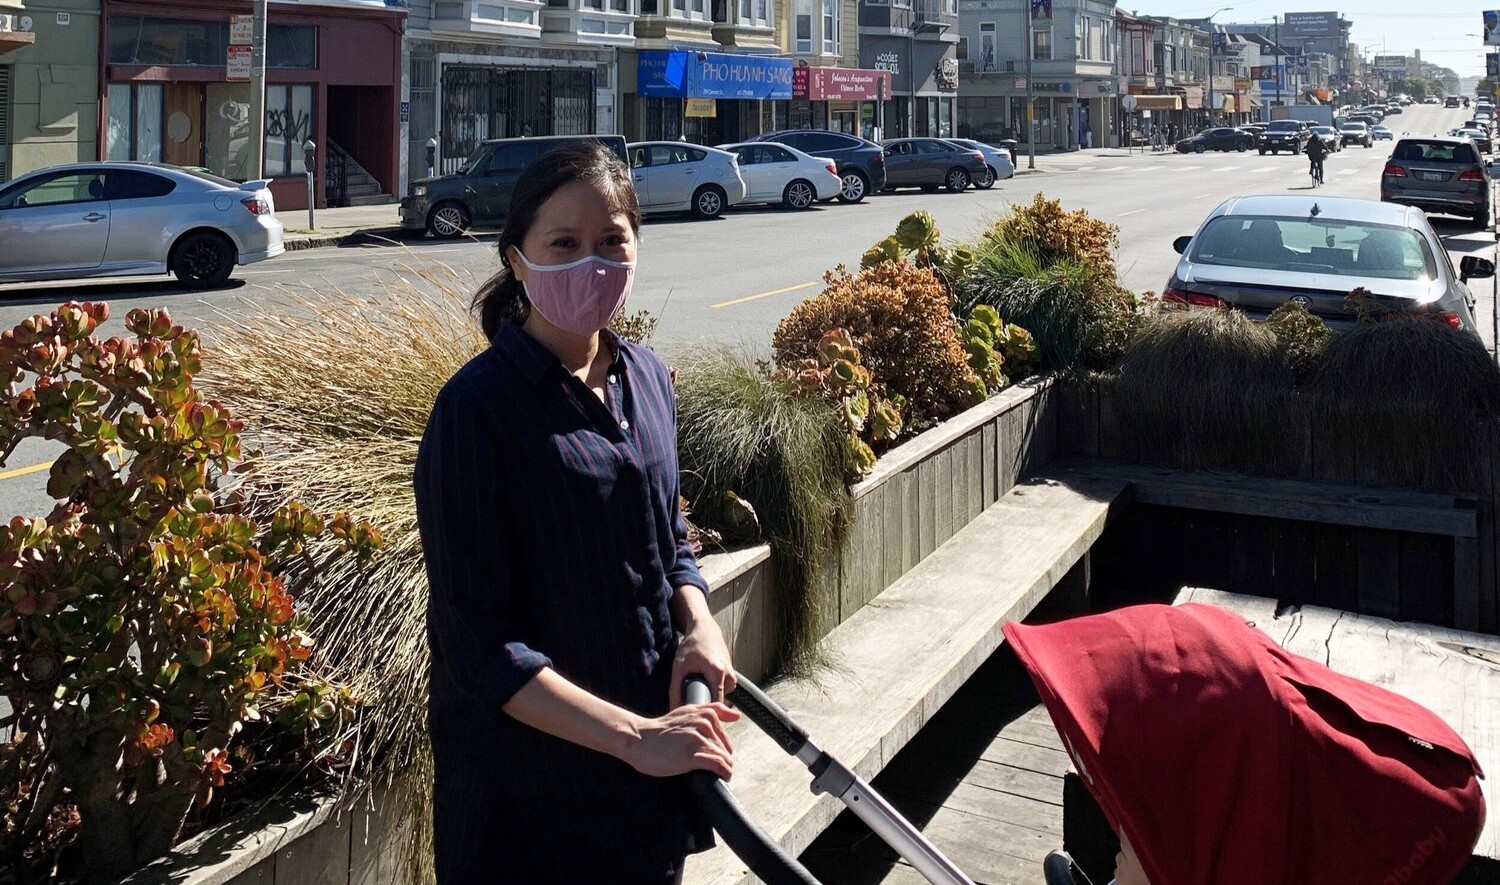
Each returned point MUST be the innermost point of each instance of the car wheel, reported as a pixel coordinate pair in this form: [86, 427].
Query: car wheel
[1242, 147]
[957, 180]
[448, 220]
[203, 260]
[798, 195]
[1198, 148]
[854, 187]
[1262, 152]
[709, 201]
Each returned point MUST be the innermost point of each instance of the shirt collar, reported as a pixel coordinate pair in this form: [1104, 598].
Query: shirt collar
[534, 359]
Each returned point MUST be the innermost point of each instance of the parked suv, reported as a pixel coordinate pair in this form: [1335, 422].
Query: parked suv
[1284, 135]
[478, 195]
[861, 163]
[1438, 174]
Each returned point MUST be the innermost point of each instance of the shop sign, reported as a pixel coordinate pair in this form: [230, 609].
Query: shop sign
[840, 84]
[888, 61]
[1054, 87]
[706, 108]
[241, 30]
[1020, 82]
[238, 69]
[680, 74]
[1243, 83]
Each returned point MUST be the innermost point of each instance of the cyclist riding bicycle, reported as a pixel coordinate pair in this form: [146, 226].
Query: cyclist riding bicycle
[1317, 152]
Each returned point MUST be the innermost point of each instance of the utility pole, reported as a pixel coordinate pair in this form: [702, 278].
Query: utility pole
[1030, 88]
[256, 137]
[1279, 72]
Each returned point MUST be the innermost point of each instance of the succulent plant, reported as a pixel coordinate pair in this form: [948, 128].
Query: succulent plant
[887, 249]
[917, 231]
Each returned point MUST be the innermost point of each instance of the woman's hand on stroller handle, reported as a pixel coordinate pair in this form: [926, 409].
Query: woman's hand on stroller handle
[691, 737]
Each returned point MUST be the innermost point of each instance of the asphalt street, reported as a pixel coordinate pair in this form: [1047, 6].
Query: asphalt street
[730, 280]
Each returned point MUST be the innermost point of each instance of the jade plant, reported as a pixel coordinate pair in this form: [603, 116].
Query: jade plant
[149, 620]
[838, 376]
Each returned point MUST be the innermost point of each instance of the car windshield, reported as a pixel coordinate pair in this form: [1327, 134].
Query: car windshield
[1353, 127]
[1314, 245]
[1285, 126]
[1435, 152]
[476, 160]
[1322, 130]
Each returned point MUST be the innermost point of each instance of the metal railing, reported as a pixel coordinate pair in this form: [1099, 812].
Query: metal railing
[336, 176]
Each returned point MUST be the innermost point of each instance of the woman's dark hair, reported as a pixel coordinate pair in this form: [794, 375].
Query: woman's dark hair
[502, 296]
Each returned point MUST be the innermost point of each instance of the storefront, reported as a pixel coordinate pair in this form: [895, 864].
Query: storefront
[707, 97]
[333, 75]
[848, 100]
[924, 83]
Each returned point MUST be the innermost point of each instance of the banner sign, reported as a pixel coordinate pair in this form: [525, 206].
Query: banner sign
[840, 84]
[680, 74]
[1492, 64]
[1041, 10]
[1310, 24]
[1491, 27]
[702, 107]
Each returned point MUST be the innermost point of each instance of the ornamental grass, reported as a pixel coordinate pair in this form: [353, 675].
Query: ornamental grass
[742, 433]
[337, 394]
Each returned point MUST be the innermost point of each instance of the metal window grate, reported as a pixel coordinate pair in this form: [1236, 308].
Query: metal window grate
[480, 103]
[5, 78]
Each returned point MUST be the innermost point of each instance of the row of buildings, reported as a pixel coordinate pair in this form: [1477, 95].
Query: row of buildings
[391, 89]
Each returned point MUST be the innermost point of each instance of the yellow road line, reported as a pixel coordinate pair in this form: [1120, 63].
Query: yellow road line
[765, 295]
[22, 471]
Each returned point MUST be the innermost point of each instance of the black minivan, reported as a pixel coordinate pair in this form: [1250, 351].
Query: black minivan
[478, 195]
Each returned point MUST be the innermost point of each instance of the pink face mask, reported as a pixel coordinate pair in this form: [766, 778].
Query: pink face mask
[581, 296]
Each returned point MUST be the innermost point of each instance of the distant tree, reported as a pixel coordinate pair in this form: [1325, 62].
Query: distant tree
[1485, 87]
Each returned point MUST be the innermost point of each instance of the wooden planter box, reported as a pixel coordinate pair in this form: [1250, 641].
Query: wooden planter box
[918, 496]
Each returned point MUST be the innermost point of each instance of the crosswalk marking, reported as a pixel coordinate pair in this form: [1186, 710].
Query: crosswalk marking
[1347, 171]
[1131, 212]
[1265, 168]
[1114, 169]
[1226, 169]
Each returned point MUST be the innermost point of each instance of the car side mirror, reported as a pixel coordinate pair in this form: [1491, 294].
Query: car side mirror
[1180, 245]
[1472, 267]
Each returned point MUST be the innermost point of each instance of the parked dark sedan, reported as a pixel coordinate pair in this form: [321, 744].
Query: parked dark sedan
[1222, 138]
[1255, 254]
[861, 163]
[931, 163]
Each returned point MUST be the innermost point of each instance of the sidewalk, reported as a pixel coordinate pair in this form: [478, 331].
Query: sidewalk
[338, 225]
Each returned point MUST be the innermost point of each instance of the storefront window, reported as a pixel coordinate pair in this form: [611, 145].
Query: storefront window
[134, 128]
[288, 124]
[945, 118]
[226, 130]
[136, 40]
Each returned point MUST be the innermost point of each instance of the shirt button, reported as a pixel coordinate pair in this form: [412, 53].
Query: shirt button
[624, 424]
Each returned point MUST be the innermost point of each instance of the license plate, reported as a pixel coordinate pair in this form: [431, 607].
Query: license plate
[1432, 176]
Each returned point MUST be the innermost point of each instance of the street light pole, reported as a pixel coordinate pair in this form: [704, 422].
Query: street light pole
[256, 136]
[1279, 72]
[1030, 90]
[1213, 39]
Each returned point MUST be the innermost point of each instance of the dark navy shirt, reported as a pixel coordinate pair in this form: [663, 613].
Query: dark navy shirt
[553, 537]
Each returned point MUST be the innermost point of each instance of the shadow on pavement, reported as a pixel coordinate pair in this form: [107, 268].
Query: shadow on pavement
[95, 290]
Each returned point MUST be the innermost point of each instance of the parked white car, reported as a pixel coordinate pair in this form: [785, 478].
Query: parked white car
[776, 173]
[674, 176]
[114, 219]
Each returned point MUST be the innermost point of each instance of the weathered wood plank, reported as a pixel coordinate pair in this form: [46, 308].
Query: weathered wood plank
[990, 454]
[1426, 579]
[973, 487]
[1078, 419]
[946, 615]
[893, 529]
[1466, 586]
[1294, 499]
[942, 485]
[320, 857]
[862, 567]
[263, 873]
[926, 509]
[380, 839]
[1450, 672]
[1379, 573]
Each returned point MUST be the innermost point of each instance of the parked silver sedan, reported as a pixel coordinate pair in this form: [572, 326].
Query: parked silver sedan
[674, 176]
[1255, 254]
[117, 219]
[996, 160]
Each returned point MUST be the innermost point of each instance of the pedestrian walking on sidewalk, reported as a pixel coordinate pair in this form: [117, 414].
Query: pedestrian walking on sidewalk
[566, 605]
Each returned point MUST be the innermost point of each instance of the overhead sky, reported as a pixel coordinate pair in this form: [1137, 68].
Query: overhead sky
[1448, 32]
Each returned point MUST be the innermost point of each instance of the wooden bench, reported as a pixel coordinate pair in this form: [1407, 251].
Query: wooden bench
[1444, 515]
[896, 661]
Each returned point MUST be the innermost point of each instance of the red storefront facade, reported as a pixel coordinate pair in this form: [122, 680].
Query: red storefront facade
[333, 75]
[842, 99]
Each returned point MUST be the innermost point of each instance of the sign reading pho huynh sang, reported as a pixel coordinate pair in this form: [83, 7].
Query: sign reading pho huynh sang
[682, 74]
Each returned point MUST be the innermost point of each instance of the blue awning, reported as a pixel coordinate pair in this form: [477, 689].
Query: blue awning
[664, 73]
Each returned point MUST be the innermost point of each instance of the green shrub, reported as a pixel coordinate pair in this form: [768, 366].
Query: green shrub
[741, 431]
[1412, 401]
[1053, 273]
[1209, 390]
[1300, 335]
[151, 625]
[837, 377]
[900, 316]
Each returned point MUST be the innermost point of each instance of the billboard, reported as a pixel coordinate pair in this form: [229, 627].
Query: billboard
[1491, 27]
[1492, 64]
[1310, 24]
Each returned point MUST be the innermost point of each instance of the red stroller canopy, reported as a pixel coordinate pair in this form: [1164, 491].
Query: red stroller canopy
[1229, 761]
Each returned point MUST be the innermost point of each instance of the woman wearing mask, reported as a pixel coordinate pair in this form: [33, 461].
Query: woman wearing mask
[559, 566]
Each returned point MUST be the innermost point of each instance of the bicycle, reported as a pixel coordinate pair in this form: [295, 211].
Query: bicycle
[1315, 170]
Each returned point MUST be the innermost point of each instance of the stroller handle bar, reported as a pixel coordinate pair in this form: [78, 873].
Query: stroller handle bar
[764, 857]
